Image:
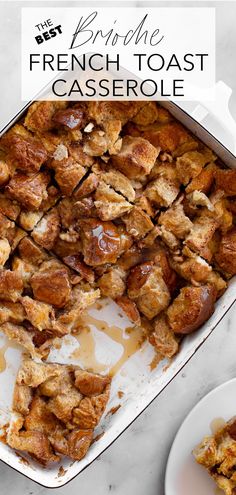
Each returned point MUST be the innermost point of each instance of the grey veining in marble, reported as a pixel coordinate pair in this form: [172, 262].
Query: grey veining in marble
[135, 463]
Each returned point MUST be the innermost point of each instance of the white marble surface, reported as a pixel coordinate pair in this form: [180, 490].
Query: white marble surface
[135, 463]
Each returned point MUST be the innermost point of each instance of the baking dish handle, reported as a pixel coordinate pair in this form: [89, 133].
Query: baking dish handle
[215, 116]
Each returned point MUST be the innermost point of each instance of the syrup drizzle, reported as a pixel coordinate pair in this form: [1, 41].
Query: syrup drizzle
[130, 339]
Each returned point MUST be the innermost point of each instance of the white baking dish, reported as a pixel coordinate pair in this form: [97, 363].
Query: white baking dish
[140, 385]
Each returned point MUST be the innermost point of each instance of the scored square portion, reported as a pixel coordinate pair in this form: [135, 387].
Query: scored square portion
[56, 410]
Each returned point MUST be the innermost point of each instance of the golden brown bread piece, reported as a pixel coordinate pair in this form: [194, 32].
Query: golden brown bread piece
[163, 337]
[147, 288]
[137, 223]
[190, 165]
[100, 241]
[164, 189]
[109, 204]
[26, 154]
[46, 231]
[175, 221]
[68, 174]
[217, 453]
[51, 286]
[39, 117]
[29, 190]
[130, 308]
[168, 136]
[226, 181]
[72, 118]
[136, 157]
[59, 407]
[226, 254]
[191, 308]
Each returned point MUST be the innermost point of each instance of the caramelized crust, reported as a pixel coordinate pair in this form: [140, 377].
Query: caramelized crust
[29, 190]
[226, 181]
[100, 242]
[51, 286]
[27, 154]
[226, 255]
[191, 309]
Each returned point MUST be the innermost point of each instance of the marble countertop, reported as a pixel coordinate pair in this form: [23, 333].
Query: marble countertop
[135, 463]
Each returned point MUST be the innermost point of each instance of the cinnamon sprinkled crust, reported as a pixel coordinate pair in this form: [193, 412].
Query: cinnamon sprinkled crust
[111, 199]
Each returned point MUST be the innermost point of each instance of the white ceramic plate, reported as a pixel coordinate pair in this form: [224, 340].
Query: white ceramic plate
[183, 475]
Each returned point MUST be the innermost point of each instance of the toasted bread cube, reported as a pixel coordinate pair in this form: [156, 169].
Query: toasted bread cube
[11, 285]
[29, 190]
[226, 181]
[100, 242]
[201, 233]
[203, 181]
[109, 203]
[38, 313]
[137, 223]
[25, 153]
[47, 229]
[72, 118]
[74, 261]
[226, 255]
[80, 300]
[163, 338]
[189, 166]
[95, 143]
[21, 336]
[175, 220]
[206, 452]
[111, 283]
[120, 183]
[191, 308]
[29, 219]
[130, 309]
[9, 208]
[136, 157]
[148, 114]
[39, 117]
[90, 383]
[164, 189]
[90, 409]
[22, 398]
[169, 136]
[24, 268]
[148, 289]
[51, 286]
[30, 252]
[11, 311]
[87, 187]
[62, 405]
[68, 174]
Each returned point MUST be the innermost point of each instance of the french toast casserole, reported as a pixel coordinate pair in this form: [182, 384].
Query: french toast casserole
[217, 453]
[99, 199]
